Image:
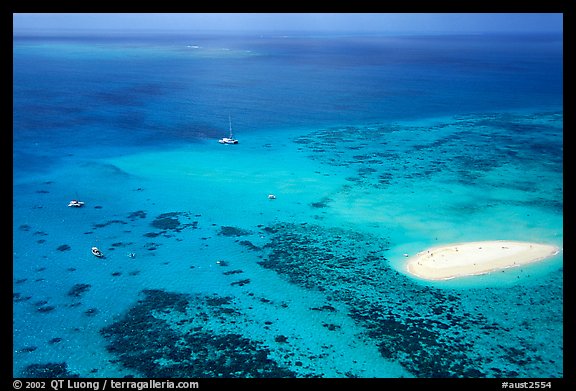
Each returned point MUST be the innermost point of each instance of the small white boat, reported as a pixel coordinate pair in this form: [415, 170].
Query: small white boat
[226, 140]
[271, 197]
[75, 204]
[230, 139]
[97, 253]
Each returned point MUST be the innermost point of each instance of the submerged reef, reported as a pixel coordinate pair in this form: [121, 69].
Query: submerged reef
[233, 231]
[78, 290]
[432, 332]
[171, 222]
[462, 150]
[171, 335]
[49, 370]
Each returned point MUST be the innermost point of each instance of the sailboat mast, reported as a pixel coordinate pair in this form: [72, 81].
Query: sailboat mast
[230, 121]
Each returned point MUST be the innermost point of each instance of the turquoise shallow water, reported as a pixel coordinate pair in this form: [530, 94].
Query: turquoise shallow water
[204, 276]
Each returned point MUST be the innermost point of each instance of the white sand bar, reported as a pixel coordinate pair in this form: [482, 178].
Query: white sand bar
[472, 258]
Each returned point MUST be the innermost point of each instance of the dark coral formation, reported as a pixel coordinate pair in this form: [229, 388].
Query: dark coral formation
[233, 231]
[49, 370]
[109, 222]
[27, 349]
[431, 332]
[248, 244]
[45, 308]
[170, 221]
[315, 256]
[448, 148]
[323, 203]
[241, 282]
[78, 290]
[167, 335]
[18, 297]
[166, 221]
[139, 214]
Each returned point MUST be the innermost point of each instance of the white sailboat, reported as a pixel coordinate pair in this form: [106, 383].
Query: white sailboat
[230, 139]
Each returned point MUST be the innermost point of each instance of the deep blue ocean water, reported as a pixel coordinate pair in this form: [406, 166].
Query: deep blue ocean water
[375, 147]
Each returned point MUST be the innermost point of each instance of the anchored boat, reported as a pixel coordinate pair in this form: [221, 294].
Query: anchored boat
[230, 139]
[97, 253]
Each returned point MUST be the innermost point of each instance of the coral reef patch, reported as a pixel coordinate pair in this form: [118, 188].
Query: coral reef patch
[432, 332]
[168, 335]
[49, 370]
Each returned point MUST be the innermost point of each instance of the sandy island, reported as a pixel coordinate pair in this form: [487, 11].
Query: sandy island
[472, 258]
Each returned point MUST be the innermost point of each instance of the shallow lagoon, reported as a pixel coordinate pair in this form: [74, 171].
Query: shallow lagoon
[310, 284]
